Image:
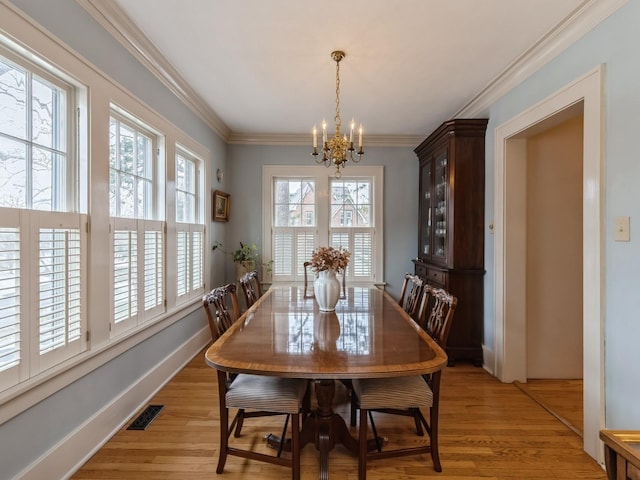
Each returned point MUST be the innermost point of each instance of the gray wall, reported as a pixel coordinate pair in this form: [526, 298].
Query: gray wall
[400, 193]
[614, 43]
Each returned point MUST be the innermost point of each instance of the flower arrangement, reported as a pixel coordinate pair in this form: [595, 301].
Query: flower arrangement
[329, 258]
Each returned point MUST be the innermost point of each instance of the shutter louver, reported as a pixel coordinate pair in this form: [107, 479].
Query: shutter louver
[59, 292]
[305, 245]
[125, 275]
[9, 298]
[197, 277]
[283, 253]
[182, 252]
[362, 259]
[153, 264]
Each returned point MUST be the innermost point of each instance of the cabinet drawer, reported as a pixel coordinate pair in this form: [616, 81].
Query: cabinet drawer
[435, 276]
[421, 271]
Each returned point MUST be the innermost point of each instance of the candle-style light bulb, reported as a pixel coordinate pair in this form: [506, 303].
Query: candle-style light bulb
[360, 137]
[315, 137]
[324, 130]
[353, 125]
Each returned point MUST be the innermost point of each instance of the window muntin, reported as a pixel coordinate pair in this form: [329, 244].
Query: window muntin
[186, 188]
[351, 203]
[34, 138]
[294, 199]
[131, 170]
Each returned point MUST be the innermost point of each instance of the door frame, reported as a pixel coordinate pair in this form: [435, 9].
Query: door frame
[510, 243]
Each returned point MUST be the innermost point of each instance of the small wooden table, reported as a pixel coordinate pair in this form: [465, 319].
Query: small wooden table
[622, 454]
[285, 335]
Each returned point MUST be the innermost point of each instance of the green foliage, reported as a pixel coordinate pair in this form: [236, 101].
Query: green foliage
[246, 253]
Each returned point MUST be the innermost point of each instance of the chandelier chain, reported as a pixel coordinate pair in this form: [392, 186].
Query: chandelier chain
[337, 118]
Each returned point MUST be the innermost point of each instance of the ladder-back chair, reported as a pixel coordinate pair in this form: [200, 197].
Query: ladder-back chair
[407, 395]
[263, 395]
[251, 287]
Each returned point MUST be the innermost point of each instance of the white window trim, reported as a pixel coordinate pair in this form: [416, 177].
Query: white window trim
[322, 176]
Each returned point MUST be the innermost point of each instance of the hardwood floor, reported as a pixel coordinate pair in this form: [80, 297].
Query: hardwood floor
[488, 430]
[561, 398]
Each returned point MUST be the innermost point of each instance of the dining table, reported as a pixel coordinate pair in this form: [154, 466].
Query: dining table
[285, 334]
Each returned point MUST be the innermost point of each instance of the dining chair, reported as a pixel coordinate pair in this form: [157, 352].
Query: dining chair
[262, 395]
[410, 299]
[411, 294]
[307, 294]
[251, 287]
[407, 395]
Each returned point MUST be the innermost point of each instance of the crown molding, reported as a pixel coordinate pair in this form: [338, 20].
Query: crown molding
[305, 139]
[583, 19]
[120, 26]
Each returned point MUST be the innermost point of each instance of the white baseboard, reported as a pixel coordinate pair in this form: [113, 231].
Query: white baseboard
[488, 361]
[73, 451]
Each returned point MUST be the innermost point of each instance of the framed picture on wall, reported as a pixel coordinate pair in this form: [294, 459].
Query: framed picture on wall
[220, 206]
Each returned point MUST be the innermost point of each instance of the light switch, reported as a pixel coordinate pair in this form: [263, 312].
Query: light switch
[622, 229]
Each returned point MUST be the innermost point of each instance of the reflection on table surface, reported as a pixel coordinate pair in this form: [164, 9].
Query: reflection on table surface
[285, 334]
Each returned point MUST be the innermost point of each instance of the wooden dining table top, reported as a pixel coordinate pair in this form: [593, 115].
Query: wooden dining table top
[368, 336]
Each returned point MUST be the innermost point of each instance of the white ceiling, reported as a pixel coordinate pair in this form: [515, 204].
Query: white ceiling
[264, 67]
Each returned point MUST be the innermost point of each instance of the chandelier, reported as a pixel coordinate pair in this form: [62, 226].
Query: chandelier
[339, 149]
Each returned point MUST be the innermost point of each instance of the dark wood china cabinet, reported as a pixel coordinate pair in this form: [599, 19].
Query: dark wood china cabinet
[451, 227]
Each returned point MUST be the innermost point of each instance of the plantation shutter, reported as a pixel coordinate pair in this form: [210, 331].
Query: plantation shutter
[10, 300]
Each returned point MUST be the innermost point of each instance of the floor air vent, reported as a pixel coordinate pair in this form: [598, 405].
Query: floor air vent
[145, 418]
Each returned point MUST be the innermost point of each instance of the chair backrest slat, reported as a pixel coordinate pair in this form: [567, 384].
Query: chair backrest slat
[411, 295]
[251, 287]
[438, 307]
[216, 306]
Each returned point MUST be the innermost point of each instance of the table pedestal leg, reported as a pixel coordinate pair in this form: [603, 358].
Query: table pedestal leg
[325, 428]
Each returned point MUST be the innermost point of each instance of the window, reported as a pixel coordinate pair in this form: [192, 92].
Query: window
[305, 207]
[293, 199]
[189, 226]
[138, 236]
[42, 306]
[351, 223]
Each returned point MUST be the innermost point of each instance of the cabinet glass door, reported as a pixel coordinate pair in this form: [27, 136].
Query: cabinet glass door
[425, 211]
[439, 214]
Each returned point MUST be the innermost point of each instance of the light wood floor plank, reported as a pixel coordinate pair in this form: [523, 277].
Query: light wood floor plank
[488, 430]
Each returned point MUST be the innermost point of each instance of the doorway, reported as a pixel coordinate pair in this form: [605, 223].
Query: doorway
[583, 95]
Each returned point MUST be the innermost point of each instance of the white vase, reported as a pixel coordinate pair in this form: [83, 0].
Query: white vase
[326, 289]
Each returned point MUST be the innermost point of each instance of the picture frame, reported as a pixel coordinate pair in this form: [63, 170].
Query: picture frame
[220, 206]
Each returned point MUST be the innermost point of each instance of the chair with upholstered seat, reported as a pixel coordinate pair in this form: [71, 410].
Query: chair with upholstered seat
[407, 395]
[263, 395]
[251, 287]
[411, 296]
[307, 287]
